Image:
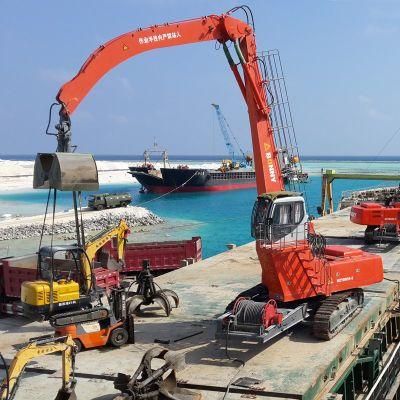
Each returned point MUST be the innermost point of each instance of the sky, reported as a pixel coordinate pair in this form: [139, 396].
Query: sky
[341, 60]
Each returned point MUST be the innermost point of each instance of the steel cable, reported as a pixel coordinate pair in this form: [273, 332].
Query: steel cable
[317, 243]
[44, 219]
[249, 312]
[165, 194]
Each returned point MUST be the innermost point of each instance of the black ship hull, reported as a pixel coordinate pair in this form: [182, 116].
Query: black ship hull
[194, 180]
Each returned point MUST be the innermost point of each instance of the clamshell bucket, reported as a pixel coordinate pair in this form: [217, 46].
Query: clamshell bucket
[65, 171]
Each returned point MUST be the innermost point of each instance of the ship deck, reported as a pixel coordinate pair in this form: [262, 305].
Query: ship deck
[295, 365]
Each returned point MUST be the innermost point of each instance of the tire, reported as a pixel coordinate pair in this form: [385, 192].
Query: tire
[78, 345]
[100, 207]
[119, 337]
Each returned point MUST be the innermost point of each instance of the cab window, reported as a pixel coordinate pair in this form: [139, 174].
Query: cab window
[288, 213]
[282, 214]
[298, 209]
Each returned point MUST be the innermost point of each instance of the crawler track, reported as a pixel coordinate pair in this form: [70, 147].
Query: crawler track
[80, 316]
[335, 312]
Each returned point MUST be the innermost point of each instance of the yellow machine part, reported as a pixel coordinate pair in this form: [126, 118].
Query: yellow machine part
[37, 293]
[39, 348]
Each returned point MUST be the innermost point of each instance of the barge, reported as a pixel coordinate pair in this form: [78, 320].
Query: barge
[360, 362]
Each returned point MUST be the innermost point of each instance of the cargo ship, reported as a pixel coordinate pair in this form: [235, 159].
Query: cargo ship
[184, 179]
[229, 176]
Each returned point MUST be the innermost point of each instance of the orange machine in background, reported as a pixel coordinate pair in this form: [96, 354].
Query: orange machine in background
[382, 221]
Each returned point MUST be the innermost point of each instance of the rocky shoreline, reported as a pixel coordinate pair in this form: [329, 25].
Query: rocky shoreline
[30, 227]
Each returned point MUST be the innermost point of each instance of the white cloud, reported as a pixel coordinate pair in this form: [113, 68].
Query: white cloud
[83, 116]
[57, 75]
[383, 19]
[371, 110]
[125, 83]
[385, 10]
[119, 119]
[364, 99]
[381, 30]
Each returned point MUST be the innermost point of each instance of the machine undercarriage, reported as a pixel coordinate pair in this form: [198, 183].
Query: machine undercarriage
[254, 316]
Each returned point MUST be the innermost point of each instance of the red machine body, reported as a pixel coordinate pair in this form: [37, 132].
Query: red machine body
[302, 275]
[381, 221]
[291, 269]
[375, 214]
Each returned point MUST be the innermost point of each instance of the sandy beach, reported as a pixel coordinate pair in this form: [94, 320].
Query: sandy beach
[18, 175]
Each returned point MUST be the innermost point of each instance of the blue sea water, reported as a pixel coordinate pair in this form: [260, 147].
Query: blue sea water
[219, 218]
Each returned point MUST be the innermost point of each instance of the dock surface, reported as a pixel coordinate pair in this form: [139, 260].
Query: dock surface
[295, 365]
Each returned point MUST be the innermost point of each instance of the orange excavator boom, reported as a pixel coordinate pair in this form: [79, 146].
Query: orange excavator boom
[222, 28]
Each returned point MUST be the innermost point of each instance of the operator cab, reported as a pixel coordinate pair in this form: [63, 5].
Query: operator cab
[60, 283]
[56, 263]
[279, 216]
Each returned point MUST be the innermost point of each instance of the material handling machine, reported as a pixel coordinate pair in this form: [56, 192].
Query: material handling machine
[382, 221]
[301, 276]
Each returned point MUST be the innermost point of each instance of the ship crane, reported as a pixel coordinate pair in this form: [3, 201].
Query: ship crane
[301, 276]
[227, 134]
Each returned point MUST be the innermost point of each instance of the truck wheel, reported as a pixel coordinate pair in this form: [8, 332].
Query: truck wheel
[119, 337]
[78, 345]
[100, 207]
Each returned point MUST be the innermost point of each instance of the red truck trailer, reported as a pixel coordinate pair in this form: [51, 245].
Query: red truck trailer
[163, 256]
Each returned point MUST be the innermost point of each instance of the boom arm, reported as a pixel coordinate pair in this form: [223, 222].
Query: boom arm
[96, 243]
[223, 28]
[38, 348]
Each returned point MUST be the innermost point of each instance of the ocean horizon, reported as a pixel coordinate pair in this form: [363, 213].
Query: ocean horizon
[178, 157]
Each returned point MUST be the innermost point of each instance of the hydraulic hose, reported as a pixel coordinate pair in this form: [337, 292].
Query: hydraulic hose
[7, 377]
[239, 52]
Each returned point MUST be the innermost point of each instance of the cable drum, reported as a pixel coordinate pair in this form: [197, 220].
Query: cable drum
[252, 314]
